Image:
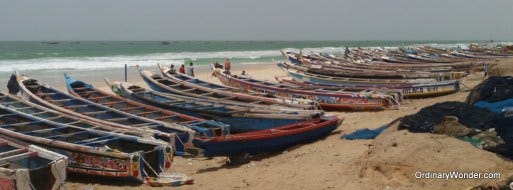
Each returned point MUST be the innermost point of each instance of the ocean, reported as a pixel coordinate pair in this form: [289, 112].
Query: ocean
[51, 59]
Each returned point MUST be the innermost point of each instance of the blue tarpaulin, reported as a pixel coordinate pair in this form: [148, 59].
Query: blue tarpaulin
[496, 107]
[364, 133]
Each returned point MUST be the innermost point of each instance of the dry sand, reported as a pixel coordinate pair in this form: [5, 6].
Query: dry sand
[388, 162]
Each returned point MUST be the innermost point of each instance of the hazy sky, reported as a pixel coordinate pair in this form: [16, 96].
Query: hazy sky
[256, 20]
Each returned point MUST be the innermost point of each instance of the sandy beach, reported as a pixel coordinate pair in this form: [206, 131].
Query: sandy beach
[388, 162]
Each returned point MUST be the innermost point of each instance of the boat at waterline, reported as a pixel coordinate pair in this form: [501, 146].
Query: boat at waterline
[30, 167]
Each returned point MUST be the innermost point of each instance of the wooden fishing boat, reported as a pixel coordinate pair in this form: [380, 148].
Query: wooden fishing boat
[89, 92]
[240, 118]
[177, 135]
[408, 91]
[30, 167]
[376, 64]
[89, 151]
[18, 104]
[268, 140]
[297, 73]
[351, 101]
[225, 94]
[328, 67]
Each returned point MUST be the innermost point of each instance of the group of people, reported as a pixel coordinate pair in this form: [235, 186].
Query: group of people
[227, 66]
[190, 70]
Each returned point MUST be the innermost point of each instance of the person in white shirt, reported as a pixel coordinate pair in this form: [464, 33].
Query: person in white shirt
[190, 70]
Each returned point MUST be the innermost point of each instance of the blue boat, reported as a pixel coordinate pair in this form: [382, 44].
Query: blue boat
[240, 118]
[268, 140]
[200, 89]
[177, 135]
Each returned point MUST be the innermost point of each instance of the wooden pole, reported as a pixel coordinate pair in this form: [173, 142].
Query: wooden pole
[126, 74]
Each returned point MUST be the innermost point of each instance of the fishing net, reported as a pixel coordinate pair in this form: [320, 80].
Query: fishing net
[428, 117]
[492, 89]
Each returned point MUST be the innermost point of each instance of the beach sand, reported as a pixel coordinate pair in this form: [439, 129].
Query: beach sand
[390, 161]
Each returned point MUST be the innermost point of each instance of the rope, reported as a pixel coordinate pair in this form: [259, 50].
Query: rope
[149, 166]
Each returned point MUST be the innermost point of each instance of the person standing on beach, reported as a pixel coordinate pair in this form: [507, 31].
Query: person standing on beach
[172, 69]
[182, 69]
[12, 85]
[190, 70]
[485, 68]
[227, 66]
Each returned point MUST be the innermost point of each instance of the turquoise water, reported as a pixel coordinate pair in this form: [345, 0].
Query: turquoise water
[94, 60]
[91, 55]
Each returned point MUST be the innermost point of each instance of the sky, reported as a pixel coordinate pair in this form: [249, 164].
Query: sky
[256, 20]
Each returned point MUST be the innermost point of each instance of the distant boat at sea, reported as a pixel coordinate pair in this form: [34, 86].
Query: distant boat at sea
[51, 43]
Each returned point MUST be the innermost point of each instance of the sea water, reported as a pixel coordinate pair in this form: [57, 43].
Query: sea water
[101, 58]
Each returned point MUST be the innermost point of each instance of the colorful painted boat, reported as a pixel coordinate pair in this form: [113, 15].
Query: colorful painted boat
[268, 140]
[240, 118]
[177, 135]
[30, 167]
[89, 92]
[225, 94]
[408, 91]
[352, 101]
[298, 73]
[91, 152]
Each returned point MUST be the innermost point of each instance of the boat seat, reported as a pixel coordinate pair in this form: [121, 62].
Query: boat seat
[142, 124]
[32, 85]
[174, 85]
[23, 108]
[227, 98]
[87, 141]
[148, 112]
[20, 124]
[11, 102]
[256, 102]
[18, 157]
[131, 108]
[92, 143]
[167, 117]
[203, 106]
[46, 93]
[79, 88]
[188, 90]
[117, 119]
[77, 106]
[43, 130]
[67, 134]
[174, 102]
[207, 94]
[94, 112]
[39, 113]
[112, 103]
[73, 122]
[61, 100]
[98, 98]
[7, 115]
